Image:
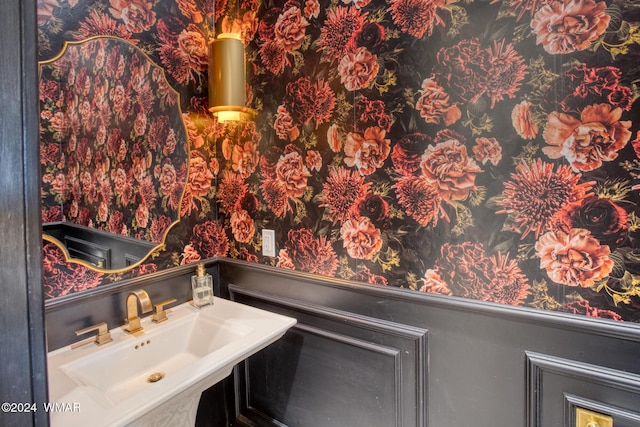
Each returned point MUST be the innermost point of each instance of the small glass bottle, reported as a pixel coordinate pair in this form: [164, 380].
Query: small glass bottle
[202, 286]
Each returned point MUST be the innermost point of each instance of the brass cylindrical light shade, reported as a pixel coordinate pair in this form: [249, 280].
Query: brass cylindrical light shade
[227, 78]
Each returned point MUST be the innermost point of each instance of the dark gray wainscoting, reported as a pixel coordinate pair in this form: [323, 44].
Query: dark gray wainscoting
[483, 365]
[303, 379]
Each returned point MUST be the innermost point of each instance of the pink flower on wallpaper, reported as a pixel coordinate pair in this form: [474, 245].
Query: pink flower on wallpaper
[292, 173]
[244, 158]
[137, 15]
[147, 191]
[341, 192]
[158, 132]
[232, 188]
[191, 10]
[242, 226]
[371, 112]
[275, 195]
[333, 138]
[463, 69]
[245, 26]
[306, 101]
[284, 260]
[325, 102]
[219, 6]
[116, 224]
[575, 258]
[507, 283]
[284, 126]
[274, 57]
[200, 177]
[522, 120]
[170, 143]
[469, 272]
[49, 153]
[358, 69]
[450, 168]
[103, 212]
[607, 221]
[290, 29]
[365, 275]
[313, 161]
[435, 105]
[585, 308]
[372, 35]
[192, 45]
[374, 207]
[209, 239]
[121, 184]
[407, 153]
[596, 137]
[142, 216]
[367, 152]
[311, 9]
[140, 124]
[52, 214]
[416, 17]
[589, 85]
[536, 193]
[309, 253]
[184, 54]
[336, 35]
[506, 71]
[360, 238]
[158, 228]
[433, 283]
[420, 199]
[487, 150]
[569, 25]
[167, 176]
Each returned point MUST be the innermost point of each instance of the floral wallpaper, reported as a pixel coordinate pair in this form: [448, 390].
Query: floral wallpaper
[113, 145]
[479, 149]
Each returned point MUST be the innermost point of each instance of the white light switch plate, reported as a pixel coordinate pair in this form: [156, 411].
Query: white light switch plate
[268, 242]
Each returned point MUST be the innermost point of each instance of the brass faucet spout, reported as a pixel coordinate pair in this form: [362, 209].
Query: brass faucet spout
[132, 322]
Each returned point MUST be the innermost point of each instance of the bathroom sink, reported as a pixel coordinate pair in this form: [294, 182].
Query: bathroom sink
[156, 377]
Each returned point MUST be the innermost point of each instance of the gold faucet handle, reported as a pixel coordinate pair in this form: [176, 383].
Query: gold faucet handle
[102, 337]
[159, 313]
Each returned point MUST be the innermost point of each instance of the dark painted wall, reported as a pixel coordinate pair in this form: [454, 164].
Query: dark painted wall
[362, 356]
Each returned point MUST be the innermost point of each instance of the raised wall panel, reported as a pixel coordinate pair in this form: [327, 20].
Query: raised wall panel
[555, 386]
[333, 369]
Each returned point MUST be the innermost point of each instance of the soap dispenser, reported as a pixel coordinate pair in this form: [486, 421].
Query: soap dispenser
[202, 286]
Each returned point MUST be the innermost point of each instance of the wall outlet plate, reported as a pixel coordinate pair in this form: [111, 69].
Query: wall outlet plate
[587, 418]
[268, 242]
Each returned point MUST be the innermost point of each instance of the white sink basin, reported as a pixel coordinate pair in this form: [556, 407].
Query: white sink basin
[112, 385]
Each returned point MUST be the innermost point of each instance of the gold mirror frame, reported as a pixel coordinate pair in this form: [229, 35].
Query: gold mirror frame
[161, 243]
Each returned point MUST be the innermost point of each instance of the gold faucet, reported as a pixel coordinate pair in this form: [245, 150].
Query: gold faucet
[132, 322]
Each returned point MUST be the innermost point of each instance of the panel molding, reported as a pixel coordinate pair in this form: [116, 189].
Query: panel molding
[597, 377]
[405, 346]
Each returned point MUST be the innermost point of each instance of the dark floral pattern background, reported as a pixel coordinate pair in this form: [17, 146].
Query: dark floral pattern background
[479, 149]
[113, 146]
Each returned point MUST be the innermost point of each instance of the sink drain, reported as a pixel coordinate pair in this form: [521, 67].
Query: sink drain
[155, 377]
